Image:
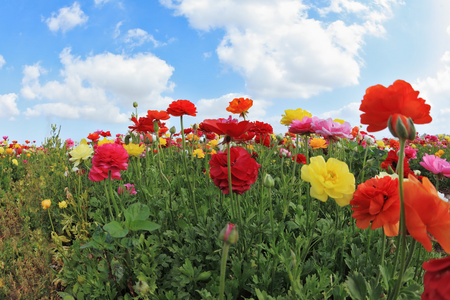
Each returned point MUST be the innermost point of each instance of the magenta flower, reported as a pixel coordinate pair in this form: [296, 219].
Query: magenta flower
[108, 158]
[330, 129]
[69, 143]
[301, 127]
[5, 137]
[129, 188]
[436, 165]
[410, 152]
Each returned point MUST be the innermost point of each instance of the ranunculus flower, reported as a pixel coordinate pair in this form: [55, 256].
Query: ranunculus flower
[108, 158]
[157, 115]
[291, 115]
[301, 127]
[316, 143]
[330, 129]
[244, 170]
[79, 153]
[240, 106]
[436, 279]
[46, 203]
[198, 153]
[262, 131]
[377, 201]
[104, 141]
[299, 158]
[329, 179]
[227, 127]
[379, 103]
[129, 188]
[426, 212]
[436, 165]
[62, 204]
[392, 162]
[69, 143]
[143, 125]
[15, 162]
[182, 107]
[134, 149]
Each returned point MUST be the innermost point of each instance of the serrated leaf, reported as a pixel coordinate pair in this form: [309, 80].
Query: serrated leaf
[356, 286]
[187, 269]
[115, 229]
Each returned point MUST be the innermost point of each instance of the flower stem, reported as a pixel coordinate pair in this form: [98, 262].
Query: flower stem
[50, 217]
[223, 267]
[230, 185]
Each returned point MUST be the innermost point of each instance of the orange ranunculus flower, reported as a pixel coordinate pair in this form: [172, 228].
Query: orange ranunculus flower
[316, 143]
[240, 106]
[379, 103]
[377, 200]
[182, 107]
[426, 213]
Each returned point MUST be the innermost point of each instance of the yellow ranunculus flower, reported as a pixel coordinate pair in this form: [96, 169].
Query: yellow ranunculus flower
[316, 143]
[291, 115]
[162, 141]
[104, 141]
[329, 179]
[62, 204]
[9, 151]
[381, 144]
[212, 151]
[15, 162]
[134, 149]
[80, 152]
[2, 150]
[439, 153]
[199, 153]
[46, 203]
[213, 143]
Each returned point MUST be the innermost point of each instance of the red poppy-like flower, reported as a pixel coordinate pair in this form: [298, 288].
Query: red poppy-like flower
[182, 107]
[426, 212]
[379, 103]
[109, 157]
[240, 106]
[104, 133]
[263, 140]
[299, 158]
[226, 127]
[244, 170]
[157, 115]
[143, 125]
[93, 136]
[377, 200]
[436, 279]
[392, 161]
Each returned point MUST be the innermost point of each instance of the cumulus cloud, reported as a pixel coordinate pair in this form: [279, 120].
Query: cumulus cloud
[96, 88]
[67, 18]
[8, 106]
[137, 37]
[280, 50]
[2, 61]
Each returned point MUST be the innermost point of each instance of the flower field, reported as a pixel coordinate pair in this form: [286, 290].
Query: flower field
[226, 209]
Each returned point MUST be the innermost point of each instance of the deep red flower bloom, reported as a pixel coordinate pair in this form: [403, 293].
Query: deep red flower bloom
[93, 136]
[436, 279]
[105, 133]
[244, 170]
[264, 140]
[182, 107]
[110, 157]
[143, 125]
[392, 161]
[377, 200]
[299, 158]
[379, 103]
[223, 127]
[157, 115]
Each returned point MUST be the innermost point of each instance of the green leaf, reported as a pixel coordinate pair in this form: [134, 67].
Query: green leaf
[65, 296]
[136, 211]
[204, 275]
[143, 225]
[187, 269]
[356, 286]
[115, 229]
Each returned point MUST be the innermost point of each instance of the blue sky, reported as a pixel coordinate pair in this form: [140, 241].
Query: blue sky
[81, 64]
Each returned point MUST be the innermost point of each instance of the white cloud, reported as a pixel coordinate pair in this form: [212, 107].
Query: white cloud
[8, 106]
[349, 113]
[97, 87]
[117, 29]
[101, 2]
[2, 61]
[137, 37]
[280, 50]
[67, 18]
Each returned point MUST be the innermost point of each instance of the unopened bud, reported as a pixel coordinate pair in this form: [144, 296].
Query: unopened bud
[172, 130]
[402, 127]
[229, 234]
[268, 181]
[135, 104]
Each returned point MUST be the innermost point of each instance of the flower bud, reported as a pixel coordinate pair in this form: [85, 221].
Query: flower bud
[268, 181]
[402, 127]
[172, 130]
[135, 104]
[229, 234]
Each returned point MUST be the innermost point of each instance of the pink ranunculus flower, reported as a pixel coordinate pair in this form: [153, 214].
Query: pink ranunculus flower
[301, 127]
[330, 129]
[108, 157]
[69, 143]
[436, 165]
[129, 188]
[410, 152]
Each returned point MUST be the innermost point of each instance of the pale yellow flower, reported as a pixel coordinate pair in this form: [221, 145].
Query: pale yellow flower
[15, 162]
[291, 115]
[199, 153]
[62, 204]
[104, 141]
[329, 179]
[2, 150]
[46, 203]
[134, 149]
[80, 152]
[339, 121]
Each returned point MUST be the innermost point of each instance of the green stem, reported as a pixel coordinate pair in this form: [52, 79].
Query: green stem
[113, 199]
[50, 217]
[108, 200]
[383, 251]
[230, 185]
[223, 267]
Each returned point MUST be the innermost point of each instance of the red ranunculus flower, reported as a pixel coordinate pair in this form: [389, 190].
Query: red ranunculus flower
[93, 136]
[182, 107]
[379, 103]
[299, 158]
[392, 161]
[244, 170]
[226, 127]
[264, 140]
[157, 115]
[436, 279]
[143, 125]
[377, 200]
[426, 212]
[240, 106]
[108, 158]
